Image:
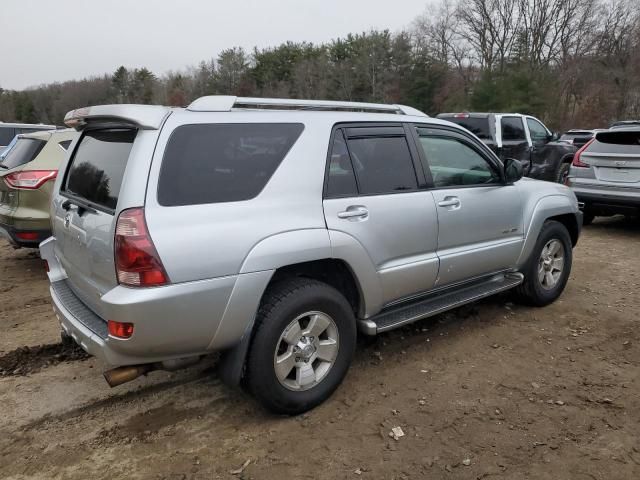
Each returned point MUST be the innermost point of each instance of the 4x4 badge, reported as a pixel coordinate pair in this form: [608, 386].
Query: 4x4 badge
[67, 220]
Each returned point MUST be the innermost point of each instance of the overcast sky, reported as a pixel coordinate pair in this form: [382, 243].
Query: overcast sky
[45, 41]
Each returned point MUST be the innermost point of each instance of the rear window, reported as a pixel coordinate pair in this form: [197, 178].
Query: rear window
[97, 168]
[24, 151]
[6, 135]
[214, 163]
[478, 126]
[616, 142]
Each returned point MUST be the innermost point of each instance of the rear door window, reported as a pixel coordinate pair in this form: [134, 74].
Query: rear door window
[214, 163]
[382, 164]
[342, 180]
[512, 128]
[97, 168]
[65, 144]
[24, 151]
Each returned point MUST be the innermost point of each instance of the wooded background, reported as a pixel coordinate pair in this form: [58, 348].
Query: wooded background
[573, 63]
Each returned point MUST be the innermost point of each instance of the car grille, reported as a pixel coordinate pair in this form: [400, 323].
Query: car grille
[78, 309]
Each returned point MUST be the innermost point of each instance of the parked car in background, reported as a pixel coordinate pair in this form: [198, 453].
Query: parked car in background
[271, 229]
[625, 124]
[578, 137]
[9, 130]
[523, 137]
[26, 175]
[605, 174]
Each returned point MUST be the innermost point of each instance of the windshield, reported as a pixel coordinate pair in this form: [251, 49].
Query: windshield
[24, 150]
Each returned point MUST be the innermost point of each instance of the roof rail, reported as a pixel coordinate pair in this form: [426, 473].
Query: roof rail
[221, 103]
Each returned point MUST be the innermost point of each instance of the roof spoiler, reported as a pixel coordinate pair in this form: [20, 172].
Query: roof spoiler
[224, 103]
[146, 117]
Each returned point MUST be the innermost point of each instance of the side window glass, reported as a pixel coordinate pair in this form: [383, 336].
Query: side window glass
[342, 181]
[65, 144]
[453, 163]
[512, 128]
[538, 132]
[382, 164]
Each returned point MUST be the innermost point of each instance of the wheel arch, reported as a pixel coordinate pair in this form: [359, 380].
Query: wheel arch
[551, 207]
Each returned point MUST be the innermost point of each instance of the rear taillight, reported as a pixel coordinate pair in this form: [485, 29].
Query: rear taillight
[576, 158]
[30, 179]
[137, 261]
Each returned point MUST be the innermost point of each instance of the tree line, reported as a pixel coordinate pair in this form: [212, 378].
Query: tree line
[573, 63]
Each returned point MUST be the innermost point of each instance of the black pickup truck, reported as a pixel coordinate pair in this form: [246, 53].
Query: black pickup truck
[525, 138]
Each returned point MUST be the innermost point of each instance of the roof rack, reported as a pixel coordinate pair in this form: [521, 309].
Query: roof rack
[222, 103]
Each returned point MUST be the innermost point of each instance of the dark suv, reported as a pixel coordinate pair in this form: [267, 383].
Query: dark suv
[525, 138]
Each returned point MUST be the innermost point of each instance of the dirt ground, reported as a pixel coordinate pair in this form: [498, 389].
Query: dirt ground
[495, 390]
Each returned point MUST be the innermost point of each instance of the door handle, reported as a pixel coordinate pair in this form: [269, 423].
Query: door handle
[450, 202]
[354, 212]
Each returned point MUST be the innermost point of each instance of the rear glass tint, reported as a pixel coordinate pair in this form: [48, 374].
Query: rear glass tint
[98, 166]
[616, 141]
[478, 126]
[24, 151]
[214, 163]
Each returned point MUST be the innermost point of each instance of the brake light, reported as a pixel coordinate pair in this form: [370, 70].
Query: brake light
[120, 329]
[137, 260]
[576, 158]
[461, 115]
[30, 179]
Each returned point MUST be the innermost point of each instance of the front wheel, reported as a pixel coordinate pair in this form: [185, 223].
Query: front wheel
[547, 271]
[304, 341]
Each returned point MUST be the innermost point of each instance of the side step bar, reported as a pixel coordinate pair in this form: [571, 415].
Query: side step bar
[437, 303]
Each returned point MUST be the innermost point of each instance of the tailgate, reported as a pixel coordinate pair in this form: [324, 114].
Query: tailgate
[615, 157]
[84, 211]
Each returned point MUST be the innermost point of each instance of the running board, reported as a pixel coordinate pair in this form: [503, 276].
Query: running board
[437, 303]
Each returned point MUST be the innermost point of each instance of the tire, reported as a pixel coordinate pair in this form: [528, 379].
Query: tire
[305, 303]
[539, 292]
[563, 172]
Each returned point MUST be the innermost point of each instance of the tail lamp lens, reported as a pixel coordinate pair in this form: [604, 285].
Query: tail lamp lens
[137, 261]
[576, 158]
[30, 179]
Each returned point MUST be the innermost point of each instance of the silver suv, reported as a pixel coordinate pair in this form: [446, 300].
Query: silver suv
[605, 173]
[273, 230]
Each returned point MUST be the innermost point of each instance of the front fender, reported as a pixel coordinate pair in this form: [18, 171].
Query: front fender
[536, 212]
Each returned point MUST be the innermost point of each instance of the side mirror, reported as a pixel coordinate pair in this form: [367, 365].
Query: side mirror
[512, 170]
[554, 137]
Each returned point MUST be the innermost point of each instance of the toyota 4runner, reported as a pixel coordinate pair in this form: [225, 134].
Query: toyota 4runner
[274, 230]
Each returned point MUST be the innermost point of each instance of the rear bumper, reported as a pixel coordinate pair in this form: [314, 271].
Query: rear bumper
[17, 237]
[606, 200]
[170, 322]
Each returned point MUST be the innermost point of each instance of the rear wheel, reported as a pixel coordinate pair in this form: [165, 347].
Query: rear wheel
[547, 271]
[563, 172]
[304, 341]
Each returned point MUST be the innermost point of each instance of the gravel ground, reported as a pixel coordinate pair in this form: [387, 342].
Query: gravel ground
[493, 390]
